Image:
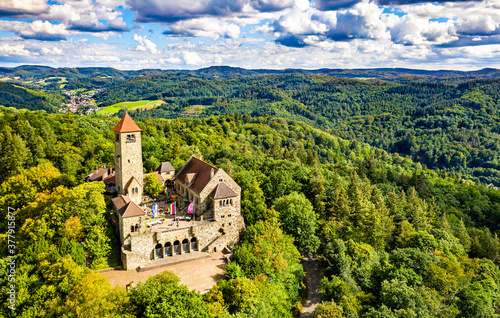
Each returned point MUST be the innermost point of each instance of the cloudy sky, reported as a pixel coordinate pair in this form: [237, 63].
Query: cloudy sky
[278, 34]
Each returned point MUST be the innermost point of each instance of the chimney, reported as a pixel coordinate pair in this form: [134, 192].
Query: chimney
[200, 157]
[211, 173]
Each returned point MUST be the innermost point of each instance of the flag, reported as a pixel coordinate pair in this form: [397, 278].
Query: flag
[190, 208]
[172, 207]
[155, 208]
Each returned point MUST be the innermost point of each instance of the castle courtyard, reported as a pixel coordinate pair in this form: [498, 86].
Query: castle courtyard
[199, 274]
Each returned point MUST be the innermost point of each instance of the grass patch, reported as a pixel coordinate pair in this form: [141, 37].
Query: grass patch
[140, 104]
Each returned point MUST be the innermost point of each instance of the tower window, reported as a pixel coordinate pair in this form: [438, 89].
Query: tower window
[117, 137]
[130, 138]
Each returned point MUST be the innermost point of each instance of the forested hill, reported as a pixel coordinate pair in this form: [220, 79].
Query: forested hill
[36, 72]
[19, 97]
[394, 240]
[451, 127]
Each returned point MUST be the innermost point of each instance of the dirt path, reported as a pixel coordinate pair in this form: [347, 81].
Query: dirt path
[313, 275]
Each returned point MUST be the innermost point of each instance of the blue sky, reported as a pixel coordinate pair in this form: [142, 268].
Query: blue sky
[277, 34]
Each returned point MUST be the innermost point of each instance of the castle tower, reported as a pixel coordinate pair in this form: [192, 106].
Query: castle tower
[128, 159]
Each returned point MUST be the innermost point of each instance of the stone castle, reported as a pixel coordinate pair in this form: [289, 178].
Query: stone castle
[216, 222]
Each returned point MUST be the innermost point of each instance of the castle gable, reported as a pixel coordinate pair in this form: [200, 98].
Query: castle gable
[222, 191]
[133, 181]
[197, 173]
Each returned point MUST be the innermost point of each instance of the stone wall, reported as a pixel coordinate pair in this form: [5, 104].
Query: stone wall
[128, 160]
[131, 260]
[125, 227]
[210, 236]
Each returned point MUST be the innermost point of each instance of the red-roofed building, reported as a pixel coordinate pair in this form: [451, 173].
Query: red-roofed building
[213, 191]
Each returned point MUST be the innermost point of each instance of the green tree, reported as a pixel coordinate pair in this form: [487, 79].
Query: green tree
[152, 185]
[162, 296]
[299, 220]
[328, 309]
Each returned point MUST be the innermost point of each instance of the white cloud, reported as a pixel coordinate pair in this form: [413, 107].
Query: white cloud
[9, 8]
[52, 51]
[41, 30]
[145, 45]
[414, 30]
[205, 27]
[191, 58]
[13, 50]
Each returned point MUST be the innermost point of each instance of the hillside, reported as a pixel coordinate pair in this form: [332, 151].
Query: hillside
[18, 97]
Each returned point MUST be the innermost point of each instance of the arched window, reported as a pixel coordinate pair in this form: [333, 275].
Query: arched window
[132, 228]
[220, 204]
[137, 227]
[231, 202]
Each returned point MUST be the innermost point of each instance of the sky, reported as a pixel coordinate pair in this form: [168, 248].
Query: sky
[271, 34]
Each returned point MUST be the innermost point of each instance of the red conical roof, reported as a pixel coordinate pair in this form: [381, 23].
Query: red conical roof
[127, 124]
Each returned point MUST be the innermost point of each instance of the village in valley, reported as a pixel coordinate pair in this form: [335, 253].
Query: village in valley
[81, 103]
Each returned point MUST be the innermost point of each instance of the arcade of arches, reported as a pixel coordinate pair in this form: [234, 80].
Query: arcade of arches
[178, 247]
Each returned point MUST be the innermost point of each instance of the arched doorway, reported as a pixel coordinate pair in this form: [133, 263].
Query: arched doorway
[177, 247]
[194, 244]
[158, 251]
[185, 245]
[168, 249]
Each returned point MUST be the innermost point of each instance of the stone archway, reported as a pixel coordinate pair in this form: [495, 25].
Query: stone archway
[158, 251]
[185, 246]
[177, 247]
[194, 244]
[168, 249]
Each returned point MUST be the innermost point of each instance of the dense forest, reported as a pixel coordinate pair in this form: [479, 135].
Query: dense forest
[394, 238]
[445, 120]
[449, 127]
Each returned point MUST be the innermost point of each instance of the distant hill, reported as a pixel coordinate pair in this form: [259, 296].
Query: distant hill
[36, 72]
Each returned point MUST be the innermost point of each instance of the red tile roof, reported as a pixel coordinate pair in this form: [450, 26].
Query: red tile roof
[198, 173]
[98, 174]
[110, 179]
[127, 124]
[127, 207]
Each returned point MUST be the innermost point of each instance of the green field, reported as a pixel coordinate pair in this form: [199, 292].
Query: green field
[141, 104]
